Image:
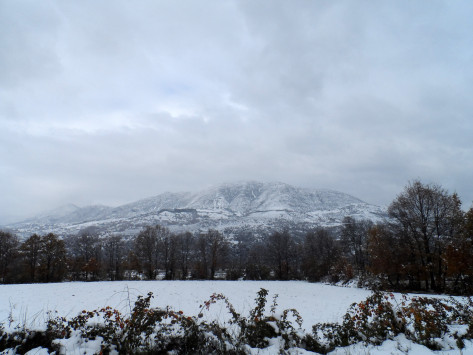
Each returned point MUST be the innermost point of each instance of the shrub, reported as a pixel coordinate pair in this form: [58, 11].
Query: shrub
[162, 330]
[371, 321]
[146, 329]
[23, 340]
[427, 320]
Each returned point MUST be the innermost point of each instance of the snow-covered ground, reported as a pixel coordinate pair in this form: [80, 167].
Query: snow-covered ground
[29, 304]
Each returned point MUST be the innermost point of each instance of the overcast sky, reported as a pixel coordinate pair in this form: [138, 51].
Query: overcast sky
[107, 102]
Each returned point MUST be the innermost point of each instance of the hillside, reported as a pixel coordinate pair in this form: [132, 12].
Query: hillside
[247, 207]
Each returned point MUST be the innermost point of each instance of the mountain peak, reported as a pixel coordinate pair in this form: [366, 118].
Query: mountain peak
[251, 206]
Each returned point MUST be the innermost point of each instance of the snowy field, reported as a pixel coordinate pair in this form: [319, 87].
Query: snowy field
[29, 304]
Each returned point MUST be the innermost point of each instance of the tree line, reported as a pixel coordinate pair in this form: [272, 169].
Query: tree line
[426, 244]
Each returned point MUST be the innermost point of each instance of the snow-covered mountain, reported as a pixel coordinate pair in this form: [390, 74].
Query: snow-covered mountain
[247, 207]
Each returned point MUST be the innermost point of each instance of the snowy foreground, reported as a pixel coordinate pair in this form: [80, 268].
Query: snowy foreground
[28, 305]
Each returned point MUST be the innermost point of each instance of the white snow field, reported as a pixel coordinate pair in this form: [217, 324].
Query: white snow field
[28, 305]
[30, 302]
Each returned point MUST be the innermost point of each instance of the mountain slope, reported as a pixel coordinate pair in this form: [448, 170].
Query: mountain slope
[232, 208]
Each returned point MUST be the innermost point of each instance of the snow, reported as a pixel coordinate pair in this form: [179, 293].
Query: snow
[241, 205]
[399, 346]
[29, 305]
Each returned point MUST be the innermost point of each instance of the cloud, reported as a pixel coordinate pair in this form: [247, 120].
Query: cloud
[113, 101]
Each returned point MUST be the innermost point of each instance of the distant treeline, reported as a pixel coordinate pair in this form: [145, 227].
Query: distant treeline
[426, 245]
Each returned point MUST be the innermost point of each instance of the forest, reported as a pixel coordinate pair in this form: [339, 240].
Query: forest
[425, 244]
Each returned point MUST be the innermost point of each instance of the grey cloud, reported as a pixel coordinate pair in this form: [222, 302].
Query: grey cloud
[113, 101]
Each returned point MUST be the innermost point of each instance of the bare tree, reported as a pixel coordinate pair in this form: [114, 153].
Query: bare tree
[388, 257]
[354, 237]
[52, 258]
[459, 256]
[8, 251]
[114, 253]
[30, 251]
[424, 218]
[320, 254]
[212, 249]
[146, 249]
[167, 246]
[257, 264]
[280, 249]
[84, 258]
[185, 245]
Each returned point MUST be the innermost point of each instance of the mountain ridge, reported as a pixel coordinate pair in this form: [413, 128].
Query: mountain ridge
[233, 208]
